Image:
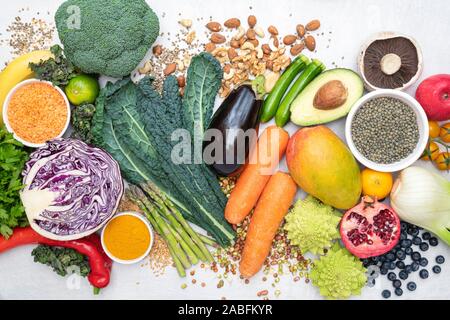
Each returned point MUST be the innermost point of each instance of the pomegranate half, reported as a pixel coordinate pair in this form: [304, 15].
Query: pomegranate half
[370, 229]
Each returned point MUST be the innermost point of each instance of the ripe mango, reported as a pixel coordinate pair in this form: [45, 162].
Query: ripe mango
[323, 166]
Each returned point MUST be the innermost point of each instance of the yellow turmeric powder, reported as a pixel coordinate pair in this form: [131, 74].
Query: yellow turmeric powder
[126, 237]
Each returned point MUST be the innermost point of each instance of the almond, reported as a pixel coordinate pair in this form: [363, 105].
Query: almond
[232, 23]
[235, 44]
[269, 65]
[275, 42]
[310, 43]
[227, 68]
[170, 69]
[266, 48]
[209, 47]
[242, 41]
[157, 50]
[251, 21]
[217, 38]
[232, 53]
[301, 30]
[313, 25]
[181, 81]
[214, 26]
[289, 39]
[251, 34]
[296, 49]
[273, 30]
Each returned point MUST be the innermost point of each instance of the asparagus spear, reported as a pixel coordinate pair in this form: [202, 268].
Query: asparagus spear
[159, 223]
[154, 192]
[175, 223]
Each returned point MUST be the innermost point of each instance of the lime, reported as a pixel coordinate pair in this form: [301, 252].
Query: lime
[82, 89]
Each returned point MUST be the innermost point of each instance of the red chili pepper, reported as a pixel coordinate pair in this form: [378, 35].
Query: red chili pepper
[90, 246]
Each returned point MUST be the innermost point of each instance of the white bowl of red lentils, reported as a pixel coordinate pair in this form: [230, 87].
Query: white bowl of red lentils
[36, 112]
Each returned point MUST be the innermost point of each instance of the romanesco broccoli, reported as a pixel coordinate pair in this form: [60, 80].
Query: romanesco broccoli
[312, 225]
[338, 275]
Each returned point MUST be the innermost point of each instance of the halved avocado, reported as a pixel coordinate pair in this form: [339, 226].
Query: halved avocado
[327, 98]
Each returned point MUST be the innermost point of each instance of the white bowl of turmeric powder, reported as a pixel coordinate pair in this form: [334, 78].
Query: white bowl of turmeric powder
[36, 112]
[127, 238]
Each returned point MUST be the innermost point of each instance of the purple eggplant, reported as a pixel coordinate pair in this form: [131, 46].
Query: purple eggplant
[237, 120]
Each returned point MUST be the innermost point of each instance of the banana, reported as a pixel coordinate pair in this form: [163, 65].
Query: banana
[17, 71]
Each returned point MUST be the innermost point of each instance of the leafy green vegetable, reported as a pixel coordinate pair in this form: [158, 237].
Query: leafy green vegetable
[82, 122]
[106, 37]
[62, 259]
[312, 225]
[134, 123]
[12, 160]
[203, 81]
[338, 275]
[57, 70]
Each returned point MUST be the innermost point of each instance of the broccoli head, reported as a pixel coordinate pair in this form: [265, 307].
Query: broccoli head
[109, 37]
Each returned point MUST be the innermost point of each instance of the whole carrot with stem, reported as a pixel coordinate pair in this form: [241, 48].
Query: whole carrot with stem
[263, 161]
[269, 213]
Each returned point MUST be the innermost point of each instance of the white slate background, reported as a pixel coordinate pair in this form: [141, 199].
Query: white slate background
[351, 22]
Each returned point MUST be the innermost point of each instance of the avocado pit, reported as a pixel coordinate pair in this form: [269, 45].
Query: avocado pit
[331, 95]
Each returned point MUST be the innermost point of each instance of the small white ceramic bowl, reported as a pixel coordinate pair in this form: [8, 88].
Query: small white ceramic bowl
[140, 217]
[8, 99]
[422, 122]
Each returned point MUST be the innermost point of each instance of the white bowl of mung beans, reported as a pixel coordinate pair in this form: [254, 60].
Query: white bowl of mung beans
[387, 130]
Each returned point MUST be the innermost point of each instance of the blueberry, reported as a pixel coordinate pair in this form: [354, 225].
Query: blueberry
[423, 273]
[412, 230]
[411, 286]
[392, 265]
[416, 256]
[385, 265]
[403, 236]
[406, 243]
[403, 275]
[437, 269]
[400, 264]
[391, 276]
[416, 240]
[375, 260]
[386, 294]
[390, 256]
[415, 266]
[423, 262]
[424, 246]
[398, 291]
[366, 262]
[384, 271]
[408, 251]
[401, 255]
[440, 259]
[408, 269]
[403, 226]
[397, 283]
[426, 236]
[433, 241]
[382, 258]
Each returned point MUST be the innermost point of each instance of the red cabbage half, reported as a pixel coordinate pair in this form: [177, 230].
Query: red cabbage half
[71, 189]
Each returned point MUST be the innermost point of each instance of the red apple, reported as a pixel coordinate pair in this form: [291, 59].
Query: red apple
[434, 96]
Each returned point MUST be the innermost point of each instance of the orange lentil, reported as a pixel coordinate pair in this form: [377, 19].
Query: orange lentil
[37, 112]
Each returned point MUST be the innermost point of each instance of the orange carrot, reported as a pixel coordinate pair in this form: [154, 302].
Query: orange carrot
[263, 161]
[273, 205]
